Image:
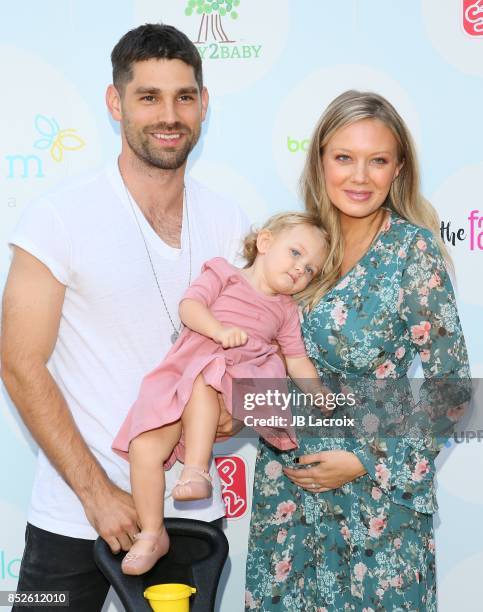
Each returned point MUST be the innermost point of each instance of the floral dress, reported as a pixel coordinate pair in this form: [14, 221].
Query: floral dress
[367, 546]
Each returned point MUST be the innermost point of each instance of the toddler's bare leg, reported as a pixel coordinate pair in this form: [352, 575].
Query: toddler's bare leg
[200, 420]
[147, 453]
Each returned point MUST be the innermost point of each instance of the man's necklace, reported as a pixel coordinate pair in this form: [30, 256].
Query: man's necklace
[176, 330]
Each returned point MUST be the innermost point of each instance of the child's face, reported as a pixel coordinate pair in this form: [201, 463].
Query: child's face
[292, 258]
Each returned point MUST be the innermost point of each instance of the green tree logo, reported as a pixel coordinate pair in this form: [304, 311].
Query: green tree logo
[212, 12]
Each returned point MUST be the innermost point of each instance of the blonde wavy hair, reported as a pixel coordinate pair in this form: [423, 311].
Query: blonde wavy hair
[404, 196]
[278, 223]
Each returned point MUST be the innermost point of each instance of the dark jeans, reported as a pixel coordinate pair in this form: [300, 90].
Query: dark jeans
[53, 562]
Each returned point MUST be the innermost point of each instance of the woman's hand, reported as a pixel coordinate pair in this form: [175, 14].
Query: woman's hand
[335, 468]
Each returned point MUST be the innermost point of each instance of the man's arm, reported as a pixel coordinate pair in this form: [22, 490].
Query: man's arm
[32, 306]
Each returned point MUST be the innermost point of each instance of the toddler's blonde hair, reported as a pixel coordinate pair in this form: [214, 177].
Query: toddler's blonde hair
[278, 223]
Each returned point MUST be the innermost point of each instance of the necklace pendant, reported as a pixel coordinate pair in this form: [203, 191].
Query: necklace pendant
[175, 335]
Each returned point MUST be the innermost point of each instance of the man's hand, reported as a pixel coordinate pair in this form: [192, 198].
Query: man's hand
[111, 512]
[227, 425]
[32, 307]
[230, 337]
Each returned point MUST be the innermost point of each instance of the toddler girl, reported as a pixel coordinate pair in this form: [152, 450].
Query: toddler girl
[233, 318]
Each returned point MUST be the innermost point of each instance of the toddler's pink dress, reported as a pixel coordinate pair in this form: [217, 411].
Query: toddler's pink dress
[234, 302]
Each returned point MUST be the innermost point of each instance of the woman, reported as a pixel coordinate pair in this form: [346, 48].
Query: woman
[354, 531]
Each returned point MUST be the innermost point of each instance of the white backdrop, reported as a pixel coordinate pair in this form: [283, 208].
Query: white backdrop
[283, 61]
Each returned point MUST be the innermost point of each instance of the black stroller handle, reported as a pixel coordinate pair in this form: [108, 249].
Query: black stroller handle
[196, 557]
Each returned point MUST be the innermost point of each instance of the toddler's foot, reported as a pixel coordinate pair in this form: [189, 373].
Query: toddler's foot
[195, 483]
[147, 549]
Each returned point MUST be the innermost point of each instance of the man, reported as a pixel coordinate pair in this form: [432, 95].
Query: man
[91, 306]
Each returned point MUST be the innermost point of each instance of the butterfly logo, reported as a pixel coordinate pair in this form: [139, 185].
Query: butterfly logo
[55, 139]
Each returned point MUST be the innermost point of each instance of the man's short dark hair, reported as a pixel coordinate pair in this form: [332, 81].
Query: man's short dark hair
[152, 41]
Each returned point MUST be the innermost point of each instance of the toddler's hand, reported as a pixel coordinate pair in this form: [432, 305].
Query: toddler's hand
[230, 337]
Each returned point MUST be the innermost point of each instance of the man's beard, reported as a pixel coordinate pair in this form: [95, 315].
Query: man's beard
[151, 155]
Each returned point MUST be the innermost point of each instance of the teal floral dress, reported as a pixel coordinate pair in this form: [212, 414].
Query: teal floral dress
[368, 545]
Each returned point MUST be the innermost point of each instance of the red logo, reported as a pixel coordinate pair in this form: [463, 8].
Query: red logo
[233, 476]
[473, 17]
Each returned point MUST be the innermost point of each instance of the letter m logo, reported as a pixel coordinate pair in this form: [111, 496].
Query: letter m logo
[24, 165]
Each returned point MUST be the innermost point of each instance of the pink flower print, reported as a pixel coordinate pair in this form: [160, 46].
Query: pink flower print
[370, 422]
[343, 283]
[420, 333]
[434, 281]
[345, 390]
[284, 512]
[401, 253]
[273, 469]
[385, 369]
[416, 574]
[397, 543]
[360, 570]
[377, 524]
[397, 582]
[400, 298]
[339, 313]
[420, 471]
[301, 582]
[281, 536]
[346, 533]
[376, 492]
[456, 412]
[425, 355]
[431, 546]
[400, 352]
[368, 609]
[382, 474]
[282, 569]
[249, 601]
[421, 244]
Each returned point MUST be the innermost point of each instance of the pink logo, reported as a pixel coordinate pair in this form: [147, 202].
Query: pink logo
[473, 17]
[474, 231]
[233, 476]
[476, 235]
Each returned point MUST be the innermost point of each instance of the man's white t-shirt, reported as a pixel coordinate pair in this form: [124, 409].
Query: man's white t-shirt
[114, 328]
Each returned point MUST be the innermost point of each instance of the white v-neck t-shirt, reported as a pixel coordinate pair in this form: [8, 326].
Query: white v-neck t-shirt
[114, 328]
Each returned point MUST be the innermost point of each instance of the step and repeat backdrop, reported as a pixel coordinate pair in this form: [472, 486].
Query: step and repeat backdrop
[271, 66]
